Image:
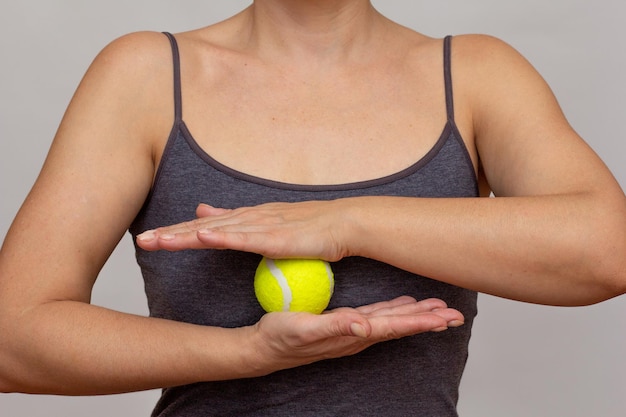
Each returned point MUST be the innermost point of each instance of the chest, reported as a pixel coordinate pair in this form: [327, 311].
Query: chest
[331, 129]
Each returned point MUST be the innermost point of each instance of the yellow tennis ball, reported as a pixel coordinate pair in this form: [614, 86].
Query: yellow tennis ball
[294, 285]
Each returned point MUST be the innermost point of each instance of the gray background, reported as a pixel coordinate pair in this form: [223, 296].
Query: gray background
[525, 360]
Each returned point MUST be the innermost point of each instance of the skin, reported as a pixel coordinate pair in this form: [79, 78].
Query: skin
[327, 56]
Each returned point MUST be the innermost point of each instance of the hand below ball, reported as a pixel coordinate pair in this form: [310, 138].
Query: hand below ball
[294, 285]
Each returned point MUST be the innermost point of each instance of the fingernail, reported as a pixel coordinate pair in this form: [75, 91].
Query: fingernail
[440, 329]
[146, 236]
[358, 330]
[455, 323]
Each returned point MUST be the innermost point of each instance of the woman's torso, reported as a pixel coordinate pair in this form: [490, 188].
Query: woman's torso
[233, 145]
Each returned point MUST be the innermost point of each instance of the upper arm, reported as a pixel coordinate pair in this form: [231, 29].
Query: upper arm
[525, 144]
[97, 174]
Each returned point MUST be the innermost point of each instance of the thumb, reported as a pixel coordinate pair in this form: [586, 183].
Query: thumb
[359, 330]
[347, 323]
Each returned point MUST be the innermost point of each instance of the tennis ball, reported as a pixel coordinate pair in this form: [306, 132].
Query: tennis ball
[294, 285]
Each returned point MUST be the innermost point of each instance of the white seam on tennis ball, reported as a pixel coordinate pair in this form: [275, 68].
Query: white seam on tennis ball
[282, 283]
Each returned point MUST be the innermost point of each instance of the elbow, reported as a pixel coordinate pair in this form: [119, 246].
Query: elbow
[608, 266]
[615, 253]
[14, 378]
[8, 382]
[606, 287]
[7, 388]
[596, 264]
[595, 287]
[12, 369]
[614, 278]
[9, 385]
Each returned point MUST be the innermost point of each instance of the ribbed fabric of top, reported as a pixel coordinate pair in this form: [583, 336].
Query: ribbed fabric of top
[417, 375]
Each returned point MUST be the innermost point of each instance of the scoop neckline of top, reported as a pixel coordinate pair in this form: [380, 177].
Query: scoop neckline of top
[240, 175]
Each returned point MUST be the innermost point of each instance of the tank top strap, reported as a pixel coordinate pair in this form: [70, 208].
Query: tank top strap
[447, 71]
[178, 101]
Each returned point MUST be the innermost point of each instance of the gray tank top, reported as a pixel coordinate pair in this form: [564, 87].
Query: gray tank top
[417, 375]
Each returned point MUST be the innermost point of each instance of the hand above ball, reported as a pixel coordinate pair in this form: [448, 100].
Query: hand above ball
[308, 229]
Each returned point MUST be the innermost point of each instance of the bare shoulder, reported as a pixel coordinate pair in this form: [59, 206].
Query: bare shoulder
[123, 108]
[519, 126]
[99, 169]
[130, 80]
[484, 50]
[498, 81]
[132, 61]
[137, 48]
[129, 76]
[485, 61]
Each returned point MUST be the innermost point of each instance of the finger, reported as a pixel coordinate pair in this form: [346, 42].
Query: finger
[395, 327]
[313, 328]
[452, 317]
[384, 327]
[152, 241]
[174, 229]
[370, 308]
[219, 239]
[181, 235]
[247, 239]
[205, 210]
[429, 304]
[407, 306]
[175, 237]
[206, 219]
[400, 318]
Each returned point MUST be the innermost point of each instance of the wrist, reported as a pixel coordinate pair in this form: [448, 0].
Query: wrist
[354, 231]
[253, 360]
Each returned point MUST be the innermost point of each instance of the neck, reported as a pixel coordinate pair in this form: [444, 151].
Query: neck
[319, 29]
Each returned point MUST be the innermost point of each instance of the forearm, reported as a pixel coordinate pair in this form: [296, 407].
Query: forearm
[561, 250]
[77, 349]
[72, 348]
